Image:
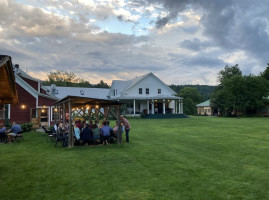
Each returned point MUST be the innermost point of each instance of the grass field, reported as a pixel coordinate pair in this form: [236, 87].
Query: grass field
[196, 158]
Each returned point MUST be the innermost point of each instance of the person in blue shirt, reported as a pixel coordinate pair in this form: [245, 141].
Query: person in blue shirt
[105, 131]
[13, 131]
[3, 134]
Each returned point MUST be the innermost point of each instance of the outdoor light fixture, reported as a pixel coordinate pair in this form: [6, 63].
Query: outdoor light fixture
[55, 109]
[23, 106]
[88, 108]
[97, 106]
[42, 110]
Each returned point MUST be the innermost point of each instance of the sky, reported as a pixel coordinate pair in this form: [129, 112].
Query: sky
[180, 41]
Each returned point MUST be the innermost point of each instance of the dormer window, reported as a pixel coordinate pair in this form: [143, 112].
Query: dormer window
[115, 92]
[56, 91]
[81, 92]
[159, 91]
[140, 91]
[147, 90]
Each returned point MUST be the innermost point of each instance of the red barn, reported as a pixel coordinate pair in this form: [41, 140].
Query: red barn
[35, 103]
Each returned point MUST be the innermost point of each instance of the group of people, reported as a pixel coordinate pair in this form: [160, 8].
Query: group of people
[85, 133]
[11, 133]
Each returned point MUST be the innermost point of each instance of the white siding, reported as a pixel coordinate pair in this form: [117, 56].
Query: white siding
[149, 82]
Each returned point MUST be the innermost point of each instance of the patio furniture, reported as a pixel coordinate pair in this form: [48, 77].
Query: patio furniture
[3, 137]
[18, 137]
[51, 135]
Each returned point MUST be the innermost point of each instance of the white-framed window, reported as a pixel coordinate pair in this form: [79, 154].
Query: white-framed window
[159, 91]
[147, 90]
[140, 91]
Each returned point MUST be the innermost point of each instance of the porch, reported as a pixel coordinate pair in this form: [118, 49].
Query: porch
[153, 106]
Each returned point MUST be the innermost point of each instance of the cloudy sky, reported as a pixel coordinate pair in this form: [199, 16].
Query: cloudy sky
[181, 41]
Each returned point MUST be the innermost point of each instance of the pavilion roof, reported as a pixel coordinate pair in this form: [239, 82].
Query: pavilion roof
[8, 91]
[79, 101]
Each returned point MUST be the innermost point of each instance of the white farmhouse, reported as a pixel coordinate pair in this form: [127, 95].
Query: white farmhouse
[146, 94]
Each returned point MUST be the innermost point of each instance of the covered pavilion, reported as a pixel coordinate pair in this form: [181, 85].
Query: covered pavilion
[74, 106]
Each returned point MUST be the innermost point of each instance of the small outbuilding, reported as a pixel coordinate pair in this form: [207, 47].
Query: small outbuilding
[205, 108]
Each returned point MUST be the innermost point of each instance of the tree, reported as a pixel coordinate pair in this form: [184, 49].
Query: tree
[237, 94]
[70, 79]
[191, 98]
[102, 84]
[229, 72]
[265, 74]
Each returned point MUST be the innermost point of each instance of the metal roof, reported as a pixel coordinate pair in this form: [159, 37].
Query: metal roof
[85, 101]
[203, 104]
[98, 93]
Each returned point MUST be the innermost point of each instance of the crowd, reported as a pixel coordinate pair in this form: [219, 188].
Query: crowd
[10, 133]
[85, 133]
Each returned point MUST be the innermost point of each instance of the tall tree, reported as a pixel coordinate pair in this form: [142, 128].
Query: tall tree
[191, 98]
[229, 72]
[237, 94]
[265, 74]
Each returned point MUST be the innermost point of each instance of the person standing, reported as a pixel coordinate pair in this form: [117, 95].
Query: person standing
[127, 127]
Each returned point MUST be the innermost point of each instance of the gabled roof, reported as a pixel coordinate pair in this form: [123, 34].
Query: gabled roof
[203, 104]
[120, 85]
[23, 74]
[140, 78]
[98, 93]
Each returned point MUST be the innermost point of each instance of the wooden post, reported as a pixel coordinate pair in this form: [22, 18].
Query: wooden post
[64, 113]
[71, 135]
[119, 134]
[6, 115]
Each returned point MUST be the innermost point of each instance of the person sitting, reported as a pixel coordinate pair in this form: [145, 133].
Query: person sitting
[77, 132]
[105, 131]
[56, 125]
[96, 133]
[3, 135]
[62, 135]
[13, 131]
[86, 135]
[96, 122]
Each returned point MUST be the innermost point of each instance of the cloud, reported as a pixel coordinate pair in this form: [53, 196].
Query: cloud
[195, 44]
[186, 41]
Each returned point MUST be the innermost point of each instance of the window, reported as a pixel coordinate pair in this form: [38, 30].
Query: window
[115, 92]
[147, 90]
[140, 90]
[159, 91]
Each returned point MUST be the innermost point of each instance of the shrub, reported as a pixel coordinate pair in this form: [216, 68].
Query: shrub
[26, 127]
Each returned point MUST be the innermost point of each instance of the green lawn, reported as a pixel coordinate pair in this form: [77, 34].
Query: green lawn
[196, 158]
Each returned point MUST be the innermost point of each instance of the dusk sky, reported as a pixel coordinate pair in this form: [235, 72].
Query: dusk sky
[180, 41]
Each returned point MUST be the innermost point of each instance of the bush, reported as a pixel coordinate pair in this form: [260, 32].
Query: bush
[26, 127]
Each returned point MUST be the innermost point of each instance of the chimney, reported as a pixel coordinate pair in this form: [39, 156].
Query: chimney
[17, 68]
